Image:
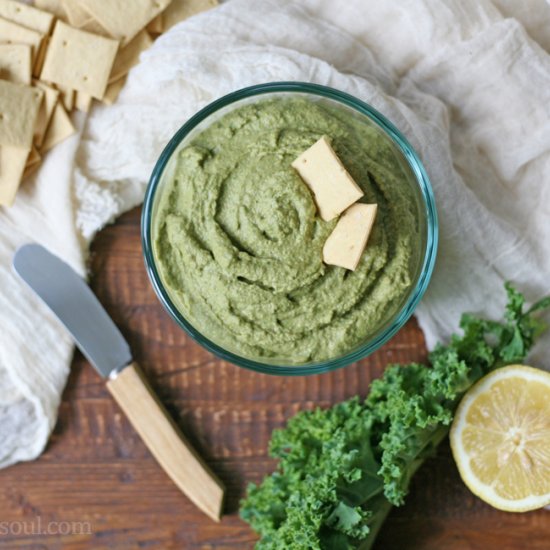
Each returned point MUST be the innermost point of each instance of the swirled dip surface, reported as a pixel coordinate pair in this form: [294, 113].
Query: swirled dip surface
[238, 241]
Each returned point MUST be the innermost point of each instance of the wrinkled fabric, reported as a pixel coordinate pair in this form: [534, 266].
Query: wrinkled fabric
[466, 81]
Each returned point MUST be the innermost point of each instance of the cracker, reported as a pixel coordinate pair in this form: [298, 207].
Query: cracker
[19, 107]
[112, 91]
[40, 56]
[12, 166]
[12, 33]
[66, 96]
[82, 101]
[91, 25]
[128, 56]
[75, 13]
[120, 20]
[15, 63]
[27, 16]
[53, 6]
[79, 60]
[59, 129]
[179, 10]
[155, 26]
[33, 163]
[33, 156]
[46, 111]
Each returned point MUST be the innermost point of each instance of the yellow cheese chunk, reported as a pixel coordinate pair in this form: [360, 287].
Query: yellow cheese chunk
[333, 188]
[347, 241]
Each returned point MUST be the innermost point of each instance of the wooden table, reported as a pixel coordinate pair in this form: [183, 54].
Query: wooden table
[98, 482]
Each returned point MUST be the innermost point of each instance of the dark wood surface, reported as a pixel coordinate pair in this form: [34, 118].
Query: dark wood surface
[97, 475]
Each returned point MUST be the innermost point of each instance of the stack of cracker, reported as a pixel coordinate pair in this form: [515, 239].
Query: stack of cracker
[60, 55]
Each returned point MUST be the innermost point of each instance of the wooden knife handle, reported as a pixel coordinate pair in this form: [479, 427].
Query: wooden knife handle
[165, 440]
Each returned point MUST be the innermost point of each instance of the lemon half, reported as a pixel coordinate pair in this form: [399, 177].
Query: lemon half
[500, 438]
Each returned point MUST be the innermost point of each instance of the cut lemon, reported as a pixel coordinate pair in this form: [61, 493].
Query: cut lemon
[500, 438]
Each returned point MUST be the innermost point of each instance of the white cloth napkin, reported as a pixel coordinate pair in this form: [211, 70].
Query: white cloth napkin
[467, 81]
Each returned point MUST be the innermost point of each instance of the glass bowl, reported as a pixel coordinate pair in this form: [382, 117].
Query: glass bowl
[409, 162]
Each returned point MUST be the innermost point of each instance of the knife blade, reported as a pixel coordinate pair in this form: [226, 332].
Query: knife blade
[76, 306]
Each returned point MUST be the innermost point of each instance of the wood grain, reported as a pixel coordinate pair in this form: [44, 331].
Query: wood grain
[97, 471]
[164, 438]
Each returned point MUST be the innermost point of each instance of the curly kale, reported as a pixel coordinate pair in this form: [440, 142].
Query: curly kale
[341, 469]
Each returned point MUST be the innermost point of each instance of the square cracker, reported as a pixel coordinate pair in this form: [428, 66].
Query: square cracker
[66, 96]
[53, 6]
[33, 163]
[12, 33]
[39, 57]
[12, 166]
[15, 63]
[155, 26]
[75, 13]
[128, 56]
[19, 107]
[112, 91]
[122, 21]
[91, 25]
[83, 101]
[27, 16]
[179, 10]
[79, 60]
[59, 129]
[49, 102]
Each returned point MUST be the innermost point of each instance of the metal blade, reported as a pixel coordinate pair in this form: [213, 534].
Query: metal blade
[75, 305]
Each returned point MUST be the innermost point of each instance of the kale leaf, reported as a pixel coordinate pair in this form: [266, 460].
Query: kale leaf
[341, 469]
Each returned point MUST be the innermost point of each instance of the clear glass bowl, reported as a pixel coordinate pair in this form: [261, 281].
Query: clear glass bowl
[410, 163]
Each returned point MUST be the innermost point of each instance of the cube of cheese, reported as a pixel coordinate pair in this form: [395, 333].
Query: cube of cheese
[323, 172]
[348, 239]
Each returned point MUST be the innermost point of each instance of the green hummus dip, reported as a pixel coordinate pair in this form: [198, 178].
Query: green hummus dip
[238, 241]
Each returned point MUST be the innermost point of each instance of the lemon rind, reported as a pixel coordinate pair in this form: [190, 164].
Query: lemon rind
[483, 491]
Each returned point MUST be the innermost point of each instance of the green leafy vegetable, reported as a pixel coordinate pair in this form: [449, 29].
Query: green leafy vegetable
[341, 469]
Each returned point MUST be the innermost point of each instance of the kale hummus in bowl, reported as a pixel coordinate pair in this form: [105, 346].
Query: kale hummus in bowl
[233, 239]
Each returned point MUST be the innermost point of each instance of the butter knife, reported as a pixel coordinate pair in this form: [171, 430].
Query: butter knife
[75, 305]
